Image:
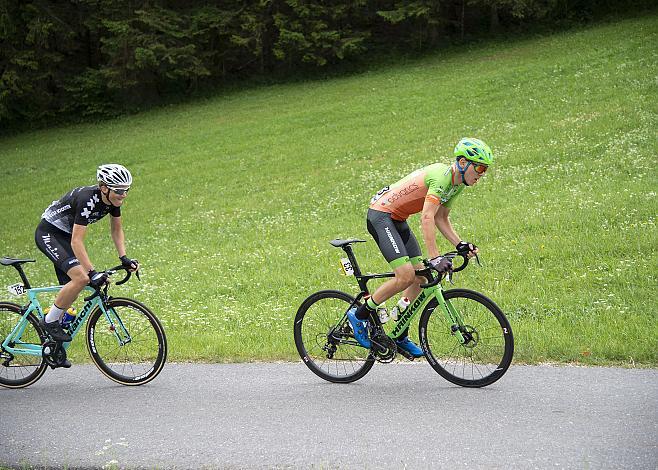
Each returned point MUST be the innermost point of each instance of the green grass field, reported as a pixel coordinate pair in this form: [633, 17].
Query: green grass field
[236, 197]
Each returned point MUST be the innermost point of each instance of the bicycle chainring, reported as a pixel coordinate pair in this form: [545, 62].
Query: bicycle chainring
[53, 353]
[383, 348]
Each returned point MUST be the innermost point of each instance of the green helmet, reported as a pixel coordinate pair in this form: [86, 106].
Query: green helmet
[474, 150]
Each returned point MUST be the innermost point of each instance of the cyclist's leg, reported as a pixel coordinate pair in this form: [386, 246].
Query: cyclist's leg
[72, 289]
[358, 317]
[62, 277]
[56, 245]
[404, 276]
[415, 258]
[411, 292]
[385, 232]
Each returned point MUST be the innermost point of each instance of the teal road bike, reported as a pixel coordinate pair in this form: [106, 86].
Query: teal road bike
[124, 338]
[464, 336]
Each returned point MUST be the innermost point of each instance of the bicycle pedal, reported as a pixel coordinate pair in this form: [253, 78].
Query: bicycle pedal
[65, 364]
[406, 354]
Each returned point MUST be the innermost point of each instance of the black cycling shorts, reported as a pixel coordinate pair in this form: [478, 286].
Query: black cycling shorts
[394, 238]
[56, 245]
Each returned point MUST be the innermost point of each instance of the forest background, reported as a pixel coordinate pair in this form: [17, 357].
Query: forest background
[82, 59]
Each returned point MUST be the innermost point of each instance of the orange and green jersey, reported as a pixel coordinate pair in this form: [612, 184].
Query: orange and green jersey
[407, 196]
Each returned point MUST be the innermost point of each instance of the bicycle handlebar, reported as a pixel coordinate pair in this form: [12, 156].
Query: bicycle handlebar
[450, 255]
[110, 272]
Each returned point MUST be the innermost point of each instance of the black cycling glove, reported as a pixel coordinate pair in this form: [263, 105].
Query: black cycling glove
[129, 263]
[96, 280]
[464, 248]
[441, 264]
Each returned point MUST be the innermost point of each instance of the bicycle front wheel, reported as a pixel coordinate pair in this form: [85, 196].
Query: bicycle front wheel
[20, 370]
[127, 344]
[486, 351]
[325, 340]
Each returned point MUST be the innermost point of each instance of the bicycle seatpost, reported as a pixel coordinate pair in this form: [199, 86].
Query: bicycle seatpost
[21, 273]
[350, 255]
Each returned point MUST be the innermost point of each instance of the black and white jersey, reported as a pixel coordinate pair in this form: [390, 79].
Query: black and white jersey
[82, 206]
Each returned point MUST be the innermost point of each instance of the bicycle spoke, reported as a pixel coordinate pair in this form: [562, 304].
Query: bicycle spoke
[486, 350]
[19, 370]
[324, 339]
[132, 348]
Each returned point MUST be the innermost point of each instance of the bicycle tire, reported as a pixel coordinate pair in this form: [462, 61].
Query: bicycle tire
[323, 314]
[33, 367]
[483, 359]
[139, 362]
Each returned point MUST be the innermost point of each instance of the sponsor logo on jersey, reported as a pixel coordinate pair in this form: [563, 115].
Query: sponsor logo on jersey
[55, 212]
[403, 192]
[448, 194]
[91, 203]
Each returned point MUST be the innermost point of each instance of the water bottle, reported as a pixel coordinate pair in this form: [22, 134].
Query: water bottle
[401, 306]
[68, 317]
[383, 314]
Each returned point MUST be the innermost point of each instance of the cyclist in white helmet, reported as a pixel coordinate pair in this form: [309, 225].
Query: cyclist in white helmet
[61, 233]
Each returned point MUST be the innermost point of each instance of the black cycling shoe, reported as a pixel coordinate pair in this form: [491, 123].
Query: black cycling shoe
[66, 364]
[56, 332]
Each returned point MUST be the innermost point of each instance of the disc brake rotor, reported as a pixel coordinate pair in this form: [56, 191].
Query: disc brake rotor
[471, 336]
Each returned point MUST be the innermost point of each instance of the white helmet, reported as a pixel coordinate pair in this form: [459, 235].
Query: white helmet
[114, 175]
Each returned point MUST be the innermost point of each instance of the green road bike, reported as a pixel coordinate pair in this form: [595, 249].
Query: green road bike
[125, 339]
[465, 337]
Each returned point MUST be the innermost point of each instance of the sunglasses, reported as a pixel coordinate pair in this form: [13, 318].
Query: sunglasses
[480, 169]
[120, 191]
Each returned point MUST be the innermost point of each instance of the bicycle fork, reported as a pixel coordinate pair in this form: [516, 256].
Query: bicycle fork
[457, 326]
[116, 326]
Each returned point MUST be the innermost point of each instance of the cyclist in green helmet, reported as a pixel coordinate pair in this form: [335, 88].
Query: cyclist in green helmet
[429, 191]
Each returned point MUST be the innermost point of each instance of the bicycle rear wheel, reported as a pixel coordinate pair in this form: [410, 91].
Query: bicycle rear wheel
[131, 349]
[325, 340]
[20, 370]
[488, 348]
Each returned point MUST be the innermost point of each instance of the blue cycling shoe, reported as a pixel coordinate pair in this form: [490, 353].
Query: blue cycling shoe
[409, 346]
[360, 328]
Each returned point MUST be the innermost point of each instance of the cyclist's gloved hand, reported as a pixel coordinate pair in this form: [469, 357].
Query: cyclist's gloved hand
[96, 280]
[128, 263]
[466, 249]
[441, 264]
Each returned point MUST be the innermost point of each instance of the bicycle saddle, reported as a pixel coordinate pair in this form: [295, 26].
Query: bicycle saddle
[340, 243]
[12, 261]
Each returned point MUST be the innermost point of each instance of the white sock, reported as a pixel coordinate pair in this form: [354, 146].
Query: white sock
[54, 314]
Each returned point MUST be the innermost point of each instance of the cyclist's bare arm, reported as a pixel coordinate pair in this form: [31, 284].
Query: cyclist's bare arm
[431, 206]
[77, 244]
[442, 222]
[117, 235]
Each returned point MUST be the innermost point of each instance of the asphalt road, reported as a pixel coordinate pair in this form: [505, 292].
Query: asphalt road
[282, 416]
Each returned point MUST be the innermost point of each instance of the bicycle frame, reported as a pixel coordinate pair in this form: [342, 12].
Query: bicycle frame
[34, 305]
[417, 305]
